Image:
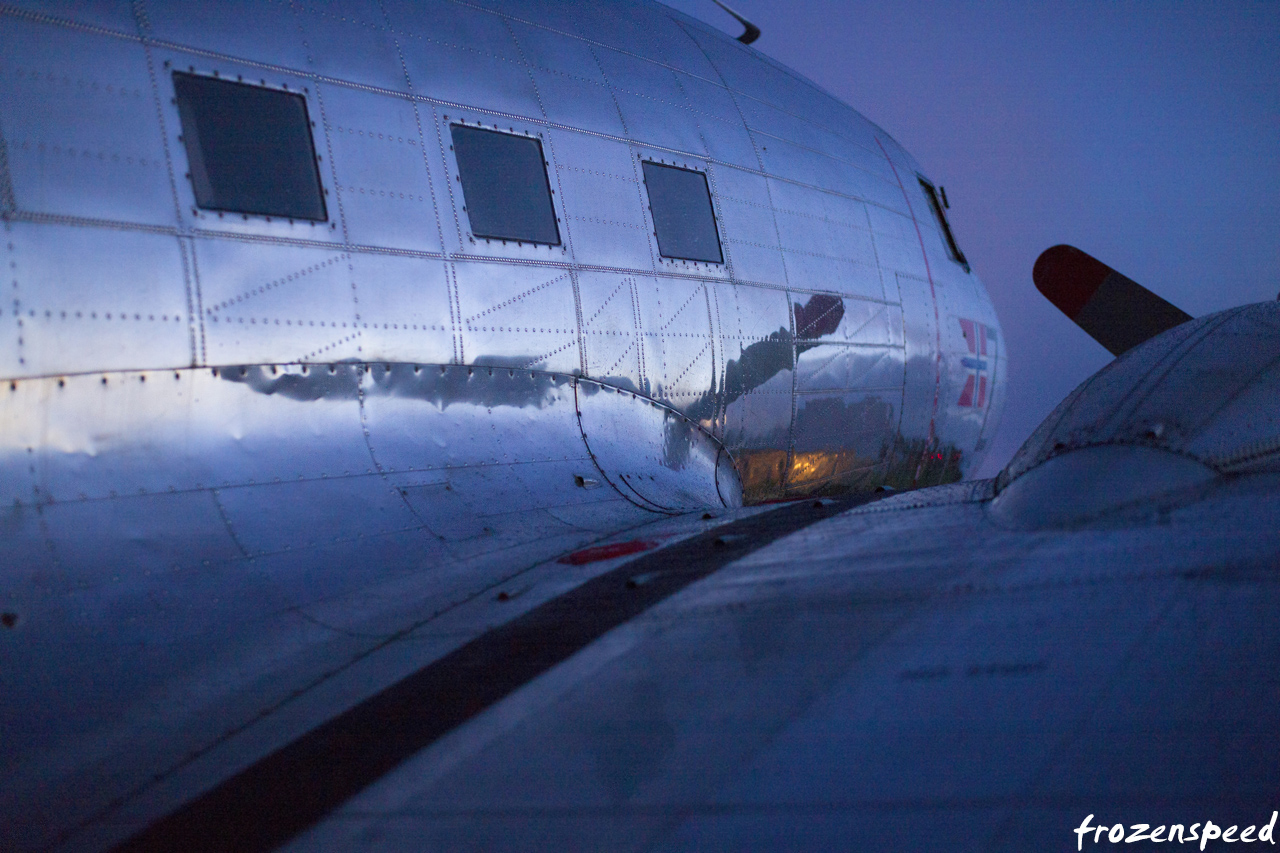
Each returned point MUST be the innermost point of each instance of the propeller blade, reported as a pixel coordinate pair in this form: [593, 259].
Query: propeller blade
[1116, 311]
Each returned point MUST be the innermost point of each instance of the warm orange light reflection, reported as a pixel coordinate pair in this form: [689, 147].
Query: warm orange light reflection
[769, 475]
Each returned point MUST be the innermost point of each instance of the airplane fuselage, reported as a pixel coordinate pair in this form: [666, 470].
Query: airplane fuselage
[297, 300]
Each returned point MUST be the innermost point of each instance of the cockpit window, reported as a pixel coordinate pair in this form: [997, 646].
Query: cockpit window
[683, 219]
[250, 148]
[949, 239]
[504, 183]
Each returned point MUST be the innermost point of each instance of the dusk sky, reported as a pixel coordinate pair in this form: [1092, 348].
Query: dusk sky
[1147, 134]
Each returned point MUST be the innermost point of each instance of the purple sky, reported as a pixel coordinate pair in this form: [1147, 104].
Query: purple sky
[1147, 134]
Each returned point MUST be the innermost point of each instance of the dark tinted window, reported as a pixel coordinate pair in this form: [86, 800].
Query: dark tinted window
[504, 182]
[682, 216]
[249, 147]
[939, 214]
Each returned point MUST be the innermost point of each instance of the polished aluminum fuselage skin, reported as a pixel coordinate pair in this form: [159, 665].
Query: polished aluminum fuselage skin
[210, 423]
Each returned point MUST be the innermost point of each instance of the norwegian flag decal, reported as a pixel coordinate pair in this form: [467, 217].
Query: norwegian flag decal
[978, 336]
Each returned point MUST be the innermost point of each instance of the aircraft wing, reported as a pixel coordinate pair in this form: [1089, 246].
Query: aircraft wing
[913, 673]
[907, 675]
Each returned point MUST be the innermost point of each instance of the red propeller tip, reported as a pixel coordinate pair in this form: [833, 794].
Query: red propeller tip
[1068, 277]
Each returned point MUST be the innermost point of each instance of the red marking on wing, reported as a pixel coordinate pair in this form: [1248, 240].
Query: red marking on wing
[607, 552]
[1068, 277]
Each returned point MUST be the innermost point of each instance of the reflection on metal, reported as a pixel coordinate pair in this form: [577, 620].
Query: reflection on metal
[763, 474]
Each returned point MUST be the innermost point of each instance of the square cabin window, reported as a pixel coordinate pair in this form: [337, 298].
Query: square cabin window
[504, 184]
[683, 218]
[250, 148]
[940, 216]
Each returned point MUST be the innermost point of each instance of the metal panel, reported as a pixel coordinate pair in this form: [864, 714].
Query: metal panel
[578, 103]
[834, 367]
[751, 189]
[822, 249]
[901, 256]
[387, 582]
[80, 125]
[252, 412]
[380, 170]
[651, 454]
[969, 374]
[275, 303]
[117, 15]
[757, 384]
[741, 68]
[747, 71]
[122, 436]
[667, 126]
[313, 513]
[838, 437]
[96, 299]
[921, 388]
[844, 344]
[403, 308]
[793, 162]
[679, 348]
[352, 43]
[518, 316]
[748, 229]
[851, 277]
[505, 527]
[551, 14]
[603, 202]
[708, 97]
[825, 236]
[442, 418]
[611, 331]
[245, 29]
[896, 223]
[558, 53]
[724, 133]
[628, 73]
[822, 137]
[200, 429]
[638, 27]
[753, 262]
[463, 56]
